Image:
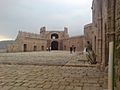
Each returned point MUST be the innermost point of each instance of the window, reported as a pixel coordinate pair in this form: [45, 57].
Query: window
[54, 36]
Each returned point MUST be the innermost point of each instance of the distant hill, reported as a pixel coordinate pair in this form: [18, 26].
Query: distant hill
[4, 44]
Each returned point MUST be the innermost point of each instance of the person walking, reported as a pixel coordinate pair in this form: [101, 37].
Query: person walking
[74, 49]
[71, 49]
[49, 49]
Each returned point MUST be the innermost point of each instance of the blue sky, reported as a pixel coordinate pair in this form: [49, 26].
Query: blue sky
[30, 15]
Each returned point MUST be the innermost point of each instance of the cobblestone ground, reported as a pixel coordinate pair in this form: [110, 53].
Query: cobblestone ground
[20, 71]
[37, 58]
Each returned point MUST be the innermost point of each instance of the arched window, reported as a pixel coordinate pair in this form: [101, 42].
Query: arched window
[54, 36]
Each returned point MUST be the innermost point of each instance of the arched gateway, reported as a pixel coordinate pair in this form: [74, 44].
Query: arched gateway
[54, 45]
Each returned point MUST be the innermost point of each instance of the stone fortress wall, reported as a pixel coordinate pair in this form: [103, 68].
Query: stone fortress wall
[76, 41]
[56, 39]
[27, 42]
[95, 32]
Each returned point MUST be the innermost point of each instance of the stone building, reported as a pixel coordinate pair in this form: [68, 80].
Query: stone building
[106, 29]
[100, 20]
[57, 40]
[96, 32]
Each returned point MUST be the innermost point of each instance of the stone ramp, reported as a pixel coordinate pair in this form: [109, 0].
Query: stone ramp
[54, 58]
[79, 60]
[58, 58]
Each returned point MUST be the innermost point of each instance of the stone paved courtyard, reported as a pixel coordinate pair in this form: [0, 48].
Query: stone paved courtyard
[49, 71]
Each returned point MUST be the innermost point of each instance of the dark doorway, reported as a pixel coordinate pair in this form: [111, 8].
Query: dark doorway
[35, 48]
[54, 45]
[64, 47]
[54, 36]
[25, 47]
[42, 48]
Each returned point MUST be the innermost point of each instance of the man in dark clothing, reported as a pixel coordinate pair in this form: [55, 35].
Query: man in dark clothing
[74, 49]
[71, 49]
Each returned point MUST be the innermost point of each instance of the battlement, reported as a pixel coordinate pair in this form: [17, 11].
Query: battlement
[22, 34]
[42, 29]
[65, 29]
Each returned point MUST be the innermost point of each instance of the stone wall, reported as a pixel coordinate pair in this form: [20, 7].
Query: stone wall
[117, 57]
[49, 36]
[88, 33]
[33, 42]
[76, 41]
[57, 40]
[114, 35]
[96, 9]
[100, 29]
[61, 33]
[31, 45]
[106, 24]
[116, 23]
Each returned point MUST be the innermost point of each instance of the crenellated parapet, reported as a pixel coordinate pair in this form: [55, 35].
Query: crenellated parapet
[22, 35]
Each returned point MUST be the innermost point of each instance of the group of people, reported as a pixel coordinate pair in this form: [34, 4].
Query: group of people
[49, 49]
[90, 53]
[72, 49]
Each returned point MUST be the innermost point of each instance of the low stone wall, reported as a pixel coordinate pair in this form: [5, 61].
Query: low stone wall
[2, 50]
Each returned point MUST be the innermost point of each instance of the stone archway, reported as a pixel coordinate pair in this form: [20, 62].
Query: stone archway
[54, 45]
[54, 36]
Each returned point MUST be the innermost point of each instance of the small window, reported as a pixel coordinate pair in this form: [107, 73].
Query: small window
[35, 48]
[25, 47]
[42, 48]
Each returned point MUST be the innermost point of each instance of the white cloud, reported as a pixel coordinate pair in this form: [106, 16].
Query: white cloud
[69, 2]
[2, 38]
[32, 14]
